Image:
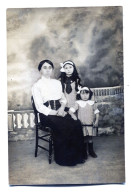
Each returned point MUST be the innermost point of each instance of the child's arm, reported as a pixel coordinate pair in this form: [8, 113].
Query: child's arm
[73, 115]
[96, 120]
[72, 111]
[96, 112]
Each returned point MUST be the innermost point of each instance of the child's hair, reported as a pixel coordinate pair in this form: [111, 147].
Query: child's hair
[85, 91]
[74, 77]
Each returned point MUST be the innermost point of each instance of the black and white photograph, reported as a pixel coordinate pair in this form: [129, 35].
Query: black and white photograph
[65, 89]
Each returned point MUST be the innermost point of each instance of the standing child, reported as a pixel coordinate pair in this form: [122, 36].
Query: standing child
[88, 114]
[70, 81]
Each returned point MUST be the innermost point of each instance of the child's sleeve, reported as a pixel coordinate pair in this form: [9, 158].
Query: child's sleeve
[96, 110]
[74, 108]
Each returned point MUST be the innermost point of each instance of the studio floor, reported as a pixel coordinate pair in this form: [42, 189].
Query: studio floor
[107, 168]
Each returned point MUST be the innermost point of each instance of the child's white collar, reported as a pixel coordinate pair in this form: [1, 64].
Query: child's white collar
[83, 103]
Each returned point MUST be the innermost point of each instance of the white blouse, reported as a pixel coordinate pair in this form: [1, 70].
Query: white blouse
[45, 90]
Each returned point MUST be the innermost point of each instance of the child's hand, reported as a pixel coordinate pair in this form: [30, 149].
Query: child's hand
[95, 124]
[74, 116]
[70, 112]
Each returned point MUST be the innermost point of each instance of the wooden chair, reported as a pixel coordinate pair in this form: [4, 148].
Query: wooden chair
[46, 134]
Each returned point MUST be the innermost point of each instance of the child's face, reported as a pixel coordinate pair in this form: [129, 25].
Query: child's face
[84, 96]
[68, 69]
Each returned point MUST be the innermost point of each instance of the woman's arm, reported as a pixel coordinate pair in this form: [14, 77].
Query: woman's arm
[39, 102]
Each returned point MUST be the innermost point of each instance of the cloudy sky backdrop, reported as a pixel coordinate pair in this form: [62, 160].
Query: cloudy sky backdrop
[92, 37]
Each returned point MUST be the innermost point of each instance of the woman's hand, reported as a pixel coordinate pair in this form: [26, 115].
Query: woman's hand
[53, 112]
[64, 114]
[61, 112]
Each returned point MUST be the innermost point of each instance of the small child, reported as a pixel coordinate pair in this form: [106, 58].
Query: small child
[70, 81]
[88, 114]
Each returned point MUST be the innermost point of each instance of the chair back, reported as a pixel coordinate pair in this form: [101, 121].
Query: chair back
[35, 110]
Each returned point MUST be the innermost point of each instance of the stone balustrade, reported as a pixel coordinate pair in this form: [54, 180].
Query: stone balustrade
[106, 91]
[21, 125]
[20, 120]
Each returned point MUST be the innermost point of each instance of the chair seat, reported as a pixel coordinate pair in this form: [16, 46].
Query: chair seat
[43, 128]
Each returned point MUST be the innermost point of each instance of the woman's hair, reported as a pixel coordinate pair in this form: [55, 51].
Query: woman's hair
[44, 61]
[74, 77]
[85, 91]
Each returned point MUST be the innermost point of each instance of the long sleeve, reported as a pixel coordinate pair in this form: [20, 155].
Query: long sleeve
[96, 111]
[63, 99]
[39, 101]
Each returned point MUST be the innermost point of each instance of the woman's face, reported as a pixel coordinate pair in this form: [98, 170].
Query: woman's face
[84, 95]
[68, 69]
[46, 70]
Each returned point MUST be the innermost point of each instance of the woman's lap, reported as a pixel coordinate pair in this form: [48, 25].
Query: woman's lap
[67, 137]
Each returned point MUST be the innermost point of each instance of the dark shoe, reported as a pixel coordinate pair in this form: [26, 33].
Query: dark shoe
[91, 150]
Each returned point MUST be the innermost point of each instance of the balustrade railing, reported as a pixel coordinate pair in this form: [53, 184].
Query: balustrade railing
[105, 91]
[25, 119]
[20, 120]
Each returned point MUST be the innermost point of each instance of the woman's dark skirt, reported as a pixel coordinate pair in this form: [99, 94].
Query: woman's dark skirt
[68, 139]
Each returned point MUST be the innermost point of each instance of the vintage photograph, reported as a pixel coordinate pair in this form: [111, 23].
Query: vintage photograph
[65, 96]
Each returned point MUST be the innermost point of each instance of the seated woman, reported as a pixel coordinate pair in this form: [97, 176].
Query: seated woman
[50, 102]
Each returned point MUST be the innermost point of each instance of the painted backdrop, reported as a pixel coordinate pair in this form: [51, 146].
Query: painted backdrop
[89, 36]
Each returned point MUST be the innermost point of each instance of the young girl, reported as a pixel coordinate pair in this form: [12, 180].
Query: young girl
[70, 81]
[88, 114]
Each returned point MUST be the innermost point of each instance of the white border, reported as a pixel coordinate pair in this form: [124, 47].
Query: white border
[102, 189]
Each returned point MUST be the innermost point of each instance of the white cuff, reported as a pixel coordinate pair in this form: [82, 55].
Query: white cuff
[44, 110]
[72, 109]
[47, 111]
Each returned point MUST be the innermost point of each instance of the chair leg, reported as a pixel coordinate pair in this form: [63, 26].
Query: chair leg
[96, 131]
[36, 143]
[50, 149]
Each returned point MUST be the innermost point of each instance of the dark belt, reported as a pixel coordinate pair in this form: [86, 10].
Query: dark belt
[54, 104]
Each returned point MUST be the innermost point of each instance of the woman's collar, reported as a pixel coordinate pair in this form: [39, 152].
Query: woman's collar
[45, 78]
